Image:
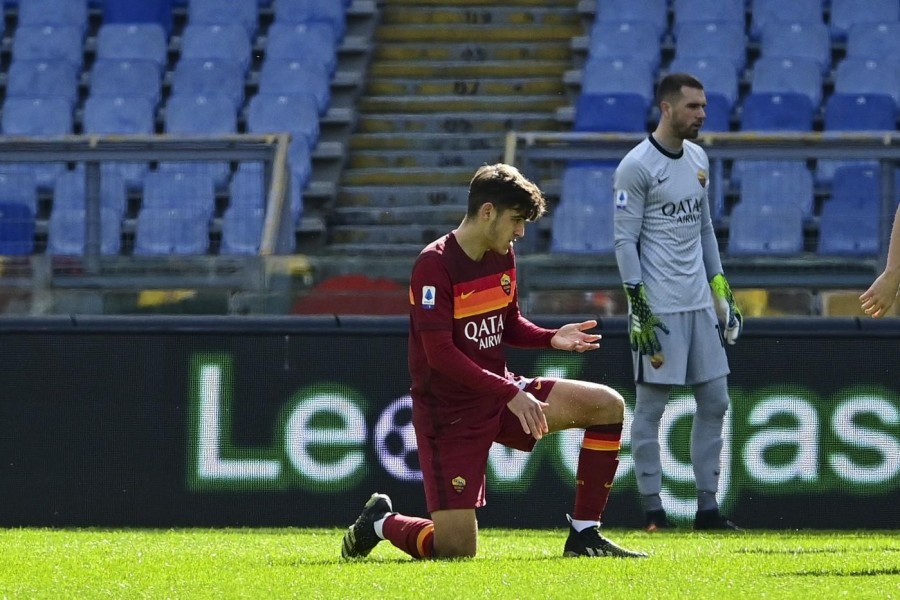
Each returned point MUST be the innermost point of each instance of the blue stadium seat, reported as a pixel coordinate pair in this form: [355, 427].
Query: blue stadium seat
[45, 117]
[202, 77]
[868, 76]
[293, 76]
[247, 187]
[18, 186]
[38, 117]
[772, 11]
[776, 112]
[717, 74]
[687, 11]
[112, 77]
[860, 112]
[53, 12]
[583, 220]
[625, 39]
[303, 40]
[49, 43]
[201, 115]
[718, 113]
[134, 115]
[133, 41]
[178, 190]
[126, 115]
[43, 78]
[66, 232]
[145, 11]
[611, 112]
[777, 182]
[654, 13]
[167, 231]
[703, 39]
[857, 183]
[300, 159]
[234, 12]
[16, 229]
[783, 39]
[765, 230]
[618, 76]
[849, 228]
[305, 11]
[847, 13]
[229, 42]
[69, 192]
[788, 75]
[242, 230]
[296, 113]
[880, 41]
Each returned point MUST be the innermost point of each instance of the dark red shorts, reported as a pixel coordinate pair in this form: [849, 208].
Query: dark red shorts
[453, 469]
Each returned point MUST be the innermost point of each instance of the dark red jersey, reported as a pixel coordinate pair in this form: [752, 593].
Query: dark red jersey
[462, 312]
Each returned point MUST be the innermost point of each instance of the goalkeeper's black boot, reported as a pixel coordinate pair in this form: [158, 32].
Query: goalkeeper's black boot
[589, 542]
[657, 519]
[712, 520]
[361, 538]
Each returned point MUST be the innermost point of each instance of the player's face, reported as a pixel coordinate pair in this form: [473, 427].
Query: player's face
[688, 113]
[505, 228]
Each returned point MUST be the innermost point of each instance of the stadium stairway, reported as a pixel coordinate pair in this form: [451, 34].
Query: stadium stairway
[447, 80]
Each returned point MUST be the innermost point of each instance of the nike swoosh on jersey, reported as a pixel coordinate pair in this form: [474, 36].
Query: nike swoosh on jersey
[465, 295]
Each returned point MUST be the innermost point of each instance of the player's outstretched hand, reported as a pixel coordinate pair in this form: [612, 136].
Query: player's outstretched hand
[642, 323]
[572, 337]
[728, 311]
[530, 411]
[878, 299]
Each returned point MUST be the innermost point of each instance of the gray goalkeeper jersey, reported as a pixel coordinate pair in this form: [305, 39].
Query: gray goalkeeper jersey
[664, 234]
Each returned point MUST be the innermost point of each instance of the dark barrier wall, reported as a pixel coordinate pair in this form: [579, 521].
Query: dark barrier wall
[231, 421]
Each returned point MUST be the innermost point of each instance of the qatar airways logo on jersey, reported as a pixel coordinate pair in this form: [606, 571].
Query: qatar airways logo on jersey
[684, 211]
[487, 333]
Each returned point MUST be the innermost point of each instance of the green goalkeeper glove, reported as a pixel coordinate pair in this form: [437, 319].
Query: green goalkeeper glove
[730, 317]
[643, 324]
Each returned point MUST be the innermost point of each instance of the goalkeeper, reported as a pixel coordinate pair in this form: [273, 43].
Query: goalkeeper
[681, 309]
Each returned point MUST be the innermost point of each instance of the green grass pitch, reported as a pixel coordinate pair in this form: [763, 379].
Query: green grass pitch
[305, 563]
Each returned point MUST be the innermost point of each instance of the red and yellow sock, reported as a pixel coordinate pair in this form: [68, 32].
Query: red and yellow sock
[597, 464]
[413, 535]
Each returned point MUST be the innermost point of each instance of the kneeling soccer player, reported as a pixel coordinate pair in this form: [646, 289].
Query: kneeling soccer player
[463, 309]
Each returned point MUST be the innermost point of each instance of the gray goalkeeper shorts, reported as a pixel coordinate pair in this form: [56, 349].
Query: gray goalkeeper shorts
[693, 350]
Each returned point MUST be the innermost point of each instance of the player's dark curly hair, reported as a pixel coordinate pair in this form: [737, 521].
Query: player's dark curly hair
[506, 188]
[669, 87]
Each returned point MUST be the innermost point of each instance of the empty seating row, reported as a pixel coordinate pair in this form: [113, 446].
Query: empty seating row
[843, 14]
[776, 201]
[184, 202]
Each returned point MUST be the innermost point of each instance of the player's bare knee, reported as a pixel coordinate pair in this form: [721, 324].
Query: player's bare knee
[449, 549]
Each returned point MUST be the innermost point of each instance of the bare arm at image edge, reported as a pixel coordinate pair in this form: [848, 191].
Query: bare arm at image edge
[878, 299]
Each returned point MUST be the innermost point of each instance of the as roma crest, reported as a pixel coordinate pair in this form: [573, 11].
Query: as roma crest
[506, 283]
[701, 177]
[458, 483]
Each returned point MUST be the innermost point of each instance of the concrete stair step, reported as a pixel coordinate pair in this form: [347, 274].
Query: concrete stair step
[440, 104]
[445, 176]
[496, 16]
[368, 250]
[476, 33]
[426, 141]
[474, 52]
[499, 86]
[386, 234]
[397, 196]
[457, 123]
[498, 68]
[404, 159]
[447, 216]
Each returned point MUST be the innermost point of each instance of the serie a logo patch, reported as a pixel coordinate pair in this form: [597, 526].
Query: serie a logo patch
[428, 296]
